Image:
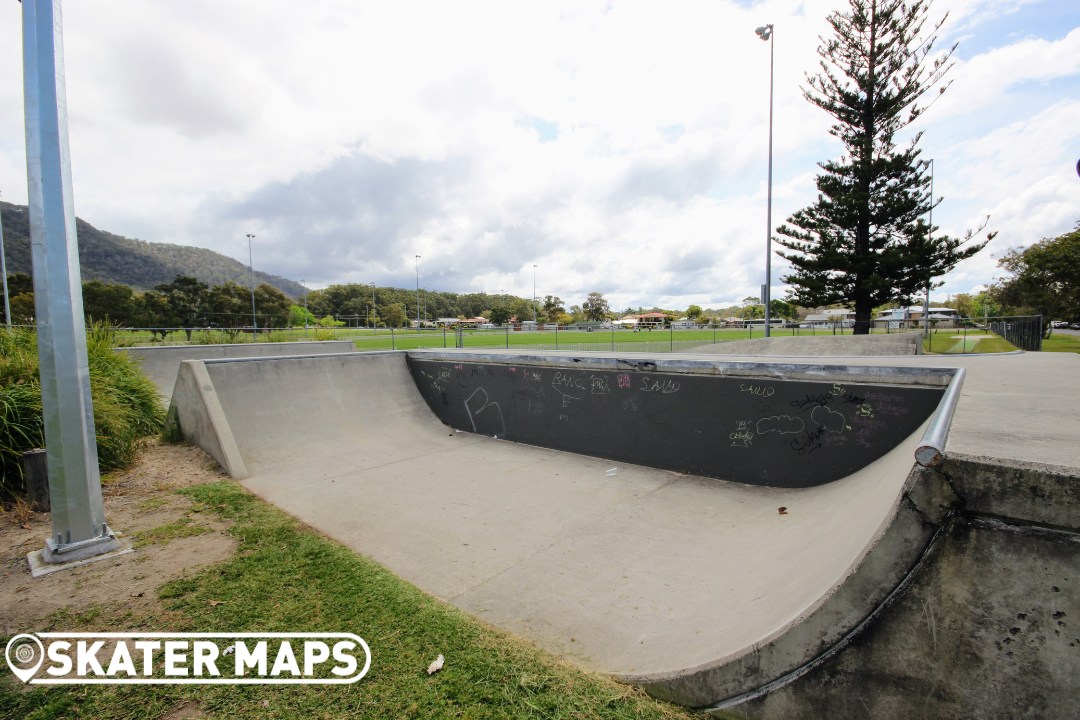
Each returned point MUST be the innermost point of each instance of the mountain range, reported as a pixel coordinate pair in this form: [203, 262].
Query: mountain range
[136, 263]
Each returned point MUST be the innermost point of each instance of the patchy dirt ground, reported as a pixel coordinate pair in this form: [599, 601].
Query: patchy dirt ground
[141, 503]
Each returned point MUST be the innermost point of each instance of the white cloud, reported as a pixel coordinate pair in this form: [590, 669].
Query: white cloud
[618, 146]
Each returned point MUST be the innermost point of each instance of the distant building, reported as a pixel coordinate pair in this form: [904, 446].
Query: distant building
[912, 315]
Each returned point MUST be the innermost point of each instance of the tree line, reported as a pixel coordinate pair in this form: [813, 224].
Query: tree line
[185, 303]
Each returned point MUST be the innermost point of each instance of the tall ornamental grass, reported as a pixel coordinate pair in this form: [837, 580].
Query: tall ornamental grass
[126, 404]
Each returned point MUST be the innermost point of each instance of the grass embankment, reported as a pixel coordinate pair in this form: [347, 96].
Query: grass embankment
[285, 577]
[1062, 343]
[126, 404]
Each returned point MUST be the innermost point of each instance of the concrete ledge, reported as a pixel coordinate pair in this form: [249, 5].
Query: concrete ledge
[161, 363]
[1025, 492]
[822, 345]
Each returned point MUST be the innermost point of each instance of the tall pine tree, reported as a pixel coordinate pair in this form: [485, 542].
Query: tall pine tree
[865, 242]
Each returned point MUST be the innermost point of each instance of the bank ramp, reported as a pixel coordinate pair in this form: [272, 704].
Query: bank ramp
[707, 530]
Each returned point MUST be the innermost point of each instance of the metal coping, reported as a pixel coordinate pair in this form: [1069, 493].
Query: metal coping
[931, 450]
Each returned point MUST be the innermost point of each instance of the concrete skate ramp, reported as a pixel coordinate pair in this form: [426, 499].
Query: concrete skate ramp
[161, 363]
[700, 589]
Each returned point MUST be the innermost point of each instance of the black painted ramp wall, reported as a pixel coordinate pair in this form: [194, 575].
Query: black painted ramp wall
[761, 431]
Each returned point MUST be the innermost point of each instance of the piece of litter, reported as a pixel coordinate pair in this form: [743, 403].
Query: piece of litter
[612, 471]
[782, 510]
[230, 650]
[436, 666]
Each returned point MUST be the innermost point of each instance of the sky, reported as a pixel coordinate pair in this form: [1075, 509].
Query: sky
[578, 146]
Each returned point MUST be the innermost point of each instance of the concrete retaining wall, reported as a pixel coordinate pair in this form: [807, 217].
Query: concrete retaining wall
[161, 363]
[988, 623]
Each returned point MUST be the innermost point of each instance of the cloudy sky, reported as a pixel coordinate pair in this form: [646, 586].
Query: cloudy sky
[619, 147]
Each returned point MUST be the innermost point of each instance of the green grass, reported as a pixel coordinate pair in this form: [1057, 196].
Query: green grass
[285, 577]
[162, 534]
[1062, 343]
[945, 342]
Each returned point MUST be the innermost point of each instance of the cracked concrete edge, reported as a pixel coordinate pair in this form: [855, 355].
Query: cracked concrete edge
[197, 410]
[923, 507]
[1025, 492]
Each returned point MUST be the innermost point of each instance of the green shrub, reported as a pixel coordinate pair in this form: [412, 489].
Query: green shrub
[126, 404]
[216, 337]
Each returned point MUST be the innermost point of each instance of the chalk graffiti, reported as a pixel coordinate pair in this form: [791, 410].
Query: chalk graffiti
[484, 405]
[598, 385]
[782, 424]
[828, 419]
[662, 386]
[623, 381]
[759, 390]
[743, 435]
[567, 380]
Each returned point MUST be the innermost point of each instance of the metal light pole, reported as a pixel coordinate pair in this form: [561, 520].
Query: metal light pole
[418, 293]
[765, 32]
[304, 283]
[251, 286]
[534, 294]
[79, 530]
[3, 271]
[929, 233]
[373, 313]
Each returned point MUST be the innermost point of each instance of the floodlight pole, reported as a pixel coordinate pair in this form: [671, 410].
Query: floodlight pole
[930, 230]
[303, 282]
[534, 294]
[3, 272]
[418, 293]
[79, 530]
[251, 286]
[766, 33]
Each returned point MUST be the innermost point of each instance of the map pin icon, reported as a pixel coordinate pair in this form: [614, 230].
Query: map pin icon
[24, 654]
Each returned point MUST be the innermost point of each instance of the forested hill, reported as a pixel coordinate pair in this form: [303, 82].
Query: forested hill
[136, 263]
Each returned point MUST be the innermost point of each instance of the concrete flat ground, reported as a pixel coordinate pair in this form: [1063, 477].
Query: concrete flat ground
[630, 570]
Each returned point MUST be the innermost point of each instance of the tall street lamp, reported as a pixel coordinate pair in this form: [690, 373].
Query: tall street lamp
[534, 294]
[304, 283]
[3, 273]
[418, 293]
[929, 233]
[251, 286]
[765, 32]
[374, 313]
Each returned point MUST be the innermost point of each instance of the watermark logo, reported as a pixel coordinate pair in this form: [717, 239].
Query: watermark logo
[55, 658]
